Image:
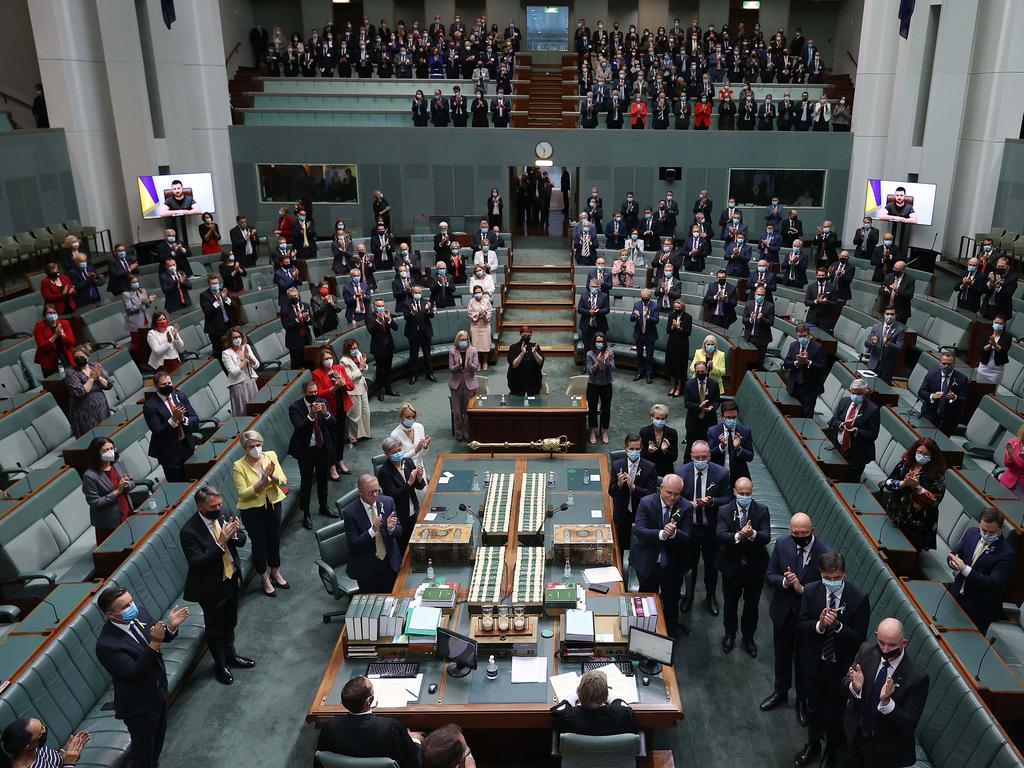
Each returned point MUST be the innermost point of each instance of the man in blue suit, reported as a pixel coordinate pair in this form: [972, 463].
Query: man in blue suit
[805, 362]
[982, 564]
[632, 478]
[707, 487]
[793, 564]
[373, 531]
[645, 333]
[737, 257]
[128, 647]
[770, 244]
[176, 285]
[762, 277]
[615, 232]
[720, 301]
[732, 444]
[660, 546]
[584, 240]
[940, 394]
[312, 445]
[286, 276]
[602, 274]
[744, 530]
[696, 248]
[592, 310]
[171, 419]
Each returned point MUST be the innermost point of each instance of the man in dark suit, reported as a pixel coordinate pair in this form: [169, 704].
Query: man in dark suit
[701, 395]
[707, 487]
[660, 547]
[602, 274]
[792, 230]
[793, 270]
[170, 248]
[696, 248]
[399, 479]
[820, 300]
[773, 214]
[296, 318]
[805, 363]
[615, 232]
[645, 334]
[401, 288]
[304, 236]
[732, 443]
[854, 424]
[998, 289]
[363, 734]
[769, 245]
[383, 247]
[443, 242]
[898, 291]
[597, 714]
[703, 204]
[419, 330]
[970, 289]
[720, 302]
[982, 563]
[885, 255]
[887, 692]
[793, 566]
[865, 239]
[312, 445]
[258, 39]
[840, 277]
[176, 286]
[171, 419]
[122, 268]
[210, 540]
[758, 317]
[379, 325]
[885, 344]
[87, 281]
[762, 276]
[244, 243]
[667, 288]
[286, 277]
[632, 478]
[833, 622]
[826, 245]
[630, 211]
[442, 287]
[216, 319]
[592, 309]
[373, 532]
[129, 648]
[941, 394]
[744, 530]
[737, 257]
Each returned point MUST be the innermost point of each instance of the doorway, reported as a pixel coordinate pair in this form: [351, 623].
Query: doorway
[738, 14]
[541, 200]
[344, 12]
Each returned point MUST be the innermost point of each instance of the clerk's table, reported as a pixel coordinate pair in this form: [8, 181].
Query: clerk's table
[526, 419]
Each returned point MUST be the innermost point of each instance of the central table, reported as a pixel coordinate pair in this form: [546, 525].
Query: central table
[499, 707]
[525, 419]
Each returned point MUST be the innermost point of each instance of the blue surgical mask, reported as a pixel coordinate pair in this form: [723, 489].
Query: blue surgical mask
[739, 241]
[826, 230]
[729, 423]
[922, 458]
[759, 299]
[598, 345]
[804, 340]
[700, 464]
[380, 310]
[997, 326]
[632, 455]
[796, 251]
[442, 271]
[51, 317]
[134, 286]
[171, 239]
[832, 585]
[407, 423]
[709, 349]
[463, 344]
[971, 270]
[992, 539]
[215, 287]
[658, 423]
[858, 399]
[744, 501]
[357, 280]
[398, 457]
[762, 270]
[131, 613]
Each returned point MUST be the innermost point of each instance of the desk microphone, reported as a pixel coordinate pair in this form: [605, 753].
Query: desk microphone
[28, 478]
[991, 642]
[881, 530]
[464, 508]
[935, 612]
[56, 616]
[560, 508]
[915, 411]
[857, 496]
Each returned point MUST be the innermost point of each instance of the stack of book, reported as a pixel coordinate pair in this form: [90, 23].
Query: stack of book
[637, 611]
[441, 596]
[375, 617]
[558, 598]
[577, 634]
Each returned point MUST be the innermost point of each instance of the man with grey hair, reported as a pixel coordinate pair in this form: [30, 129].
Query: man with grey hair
[443, 243]
[592, 310]
[596, 714]
[400, 479]
[373, 532]
[854, 426]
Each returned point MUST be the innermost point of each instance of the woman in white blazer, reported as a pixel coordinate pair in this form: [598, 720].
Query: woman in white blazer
[165, 345]
[240, 363]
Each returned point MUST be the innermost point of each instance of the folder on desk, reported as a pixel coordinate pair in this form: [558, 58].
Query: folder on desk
[423, 620]
[579, 626]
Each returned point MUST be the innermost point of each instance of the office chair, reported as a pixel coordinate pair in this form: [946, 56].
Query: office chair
[332, 543]
[618, 751]
[324, 759]
[377, 462]
[577, 386]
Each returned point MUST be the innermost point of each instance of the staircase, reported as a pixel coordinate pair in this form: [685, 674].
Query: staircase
[246, 79]
[541, 295]
[841, 85]
[545, 103]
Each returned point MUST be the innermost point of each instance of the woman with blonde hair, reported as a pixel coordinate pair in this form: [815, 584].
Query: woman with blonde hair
[463, 363]
[259, 481]
[480, 310]
[358, 415]
[413, 437]
[713, 356]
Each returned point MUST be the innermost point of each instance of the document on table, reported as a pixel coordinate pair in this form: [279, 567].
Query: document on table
[564, 686]
[529, 669]
[605, 575]
[620, 686]
[397, 691]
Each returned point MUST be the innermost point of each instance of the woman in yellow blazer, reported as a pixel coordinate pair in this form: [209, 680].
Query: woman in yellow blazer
[710, 353]
[259, 481]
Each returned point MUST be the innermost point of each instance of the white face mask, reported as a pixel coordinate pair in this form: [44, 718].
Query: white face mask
[236, 342]
[108, 456]
[256, 451]
[328, 362]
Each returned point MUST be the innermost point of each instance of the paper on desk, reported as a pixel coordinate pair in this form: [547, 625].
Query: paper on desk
[595, 478]
[431, 516]
[397, 691]
[620, 686]
[442, 480]
[447, 474]
[597, 513]
[605, 575]
[564, 686]
[529, 669]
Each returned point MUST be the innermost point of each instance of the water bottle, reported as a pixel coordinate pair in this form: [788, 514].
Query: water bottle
[502, 398]
[487, 478]
[430, 569]
[567, 571]
[476, 482]
[570, 499]
[60, 369]
[551, 479]
[586, 477]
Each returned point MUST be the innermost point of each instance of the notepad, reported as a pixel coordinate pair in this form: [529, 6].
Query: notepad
[423, 621]
[596, 513]
[595, 478]
[565, 685]
[529, 669]
[605, 575]
[442, 480]
[620, 686]
[397, 692]
[430, 516]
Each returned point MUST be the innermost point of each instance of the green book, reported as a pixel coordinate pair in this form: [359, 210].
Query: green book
[438, 597]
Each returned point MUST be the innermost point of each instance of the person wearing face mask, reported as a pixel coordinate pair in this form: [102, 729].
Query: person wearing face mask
[312, 445]
[982, 563]
[86, 281]
[525, 365]
[793, 270]
[854, 428]
[732, 444]
[592, 309]
[887, 694]
[758, 317]
[999, 289]
[632, 478]
[402, 481]
[820, 300]
[762, 277]
[244, 242]
[995, 352]
[615, 232]
[171, 248]
[645, 316]
[969, 291]
[23, 743]
[420, 110]
[793, 566]
[826, 244]
[413, 438]
[358, 414]
[941, 394]
[463, 363]
[176, 286]
[171, 419]
[774, 214]
[58, 289]
[325, 309]
[86, 383]
[240, 363]
[380, 324]
[832, 624]
[720, 302]
[792, 230]
[840, 277]
[588, 112]
[805, 363]
[217, 309]
[737, 251]
[209, 233]
[599, 368]
[334, 386]
[231, 274]
[743, 533]
[358, 298]
[286, 277]
[710, 353]
[487, 257]
[630, 211]
[884, 257]
[105, 485]
[701, 396]
[865, 240]
[260, 483]
[495, 207]
[296, 319]
[382, 244]
[419, 330]
[885, 344]
[55, 341]
[677, 348]
[660, 442]
[128, 647]
[123, 267]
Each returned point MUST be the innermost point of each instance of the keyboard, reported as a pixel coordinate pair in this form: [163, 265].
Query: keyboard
[392, 669]
[625, 667]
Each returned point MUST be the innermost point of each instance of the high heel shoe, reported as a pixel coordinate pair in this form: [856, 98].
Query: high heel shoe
[269, 594]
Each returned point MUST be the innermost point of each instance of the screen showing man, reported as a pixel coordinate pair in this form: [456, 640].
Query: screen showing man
[186, 194]
[178, 203]
[898, 201]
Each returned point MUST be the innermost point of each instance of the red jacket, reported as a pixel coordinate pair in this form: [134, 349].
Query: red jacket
[324, 384]
[284, 225]
[46, 348]
[702, 114]
[637, 111]
[54, 294]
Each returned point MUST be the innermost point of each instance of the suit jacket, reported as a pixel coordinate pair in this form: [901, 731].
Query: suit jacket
[418, 323]
[696, 251]
[819, 313]
[302, 429]
[394, 483]
[362, 547]
[214, 323]
[665, 297]
[728, 316]
[140, 678]
[348, 295]
[652, 321]
[864, 246]
[238, 242]
[841, 282]
[605, 277]
[768, 246]
[805, 377]
[894, 742]
[736, 556]
[663, 461]
[401, 293]
[1000, 352]
[904, 294]
[691, 401]
[885, 352]
[463, 374]
[615, 234]
[942, 412]
[369, 735]
[172, 300]
[883, 262]
[590, 323]
[442, 296]
[647, 547]
[644, 484]
[119, 274]
[759, 333]
[969, 298]
[785, 603]
[793, 275]
[614, 718]
[862, 442]
[998, 299]
[296, 333]
[737, 260]
[790, 230]
[104, 506]
[443, 246]
[181, 257]
[304, 251]
[738, 458]
[768, 280]
[164, 445]
[984, 586]
[381, 340]
[284, 280]
[205, 580]
[854, 614]
[717, 485]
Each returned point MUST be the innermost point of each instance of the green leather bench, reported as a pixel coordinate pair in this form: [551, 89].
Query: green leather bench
[33, 434]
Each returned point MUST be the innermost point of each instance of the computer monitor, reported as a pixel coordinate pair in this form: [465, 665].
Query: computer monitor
[653, 648]
[458, 650]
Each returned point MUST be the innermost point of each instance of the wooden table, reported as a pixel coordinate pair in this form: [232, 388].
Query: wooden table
[497, 710]
[890, 542]
[523, 420]
[272, 388]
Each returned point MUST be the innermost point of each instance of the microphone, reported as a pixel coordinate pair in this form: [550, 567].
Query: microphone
[935, 612]
[915, 411]
[856, 496]
[880, 531]
[991, 642]
[56, 616]
[28, 477]
[560, 508]
[464, 508]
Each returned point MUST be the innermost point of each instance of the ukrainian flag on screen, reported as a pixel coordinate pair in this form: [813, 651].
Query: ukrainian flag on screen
[873, 196]
[148, 198]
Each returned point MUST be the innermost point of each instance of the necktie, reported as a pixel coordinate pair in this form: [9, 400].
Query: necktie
[305, 239]
[318, 435]
[867, 721]
[821, 289]
[223, 310]
[360, 309]
[663, 557]
[181, 293]
[643, 320]
[378, 540]
[728, 449]
[229, 564]
[698, 486]
[586, 245]
[828, 645]
[945, 382]
[850, 416]
[135, 632]
[741, 516]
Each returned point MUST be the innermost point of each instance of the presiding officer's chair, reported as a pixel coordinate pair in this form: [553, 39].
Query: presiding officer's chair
[619, 751]
[577, 385]
[333, 760]
[333, 545]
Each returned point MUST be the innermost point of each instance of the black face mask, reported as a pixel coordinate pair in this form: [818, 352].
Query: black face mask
[889, 655]
[165, 390]
[293, 299]
[802, 541]
[53, 275]
[526, 339]
[211, 515]
[721, 282]
[701, 376]
[310, 398]
[81, 362]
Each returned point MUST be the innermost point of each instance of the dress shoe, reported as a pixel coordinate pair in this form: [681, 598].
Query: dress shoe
[223, 675]
[327, 512]
[390, 392]
[728, 643]
[240, 662]
[773, 700]
[687, 604]
[712, 605]
[638, 377]
[801, 712]
[412, 379]
[282, 585]
[269, 594]
[751, 648]
[431, 377]
[806, 755]
[650, 380]
[380, 396]
[307, 523]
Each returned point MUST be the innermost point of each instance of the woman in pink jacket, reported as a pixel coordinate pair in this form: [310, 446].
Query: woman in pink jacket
[1013, 460]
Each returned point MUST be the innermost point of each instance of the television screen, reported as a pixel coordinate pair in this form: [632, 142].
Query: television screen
[177, 194]
[900, 201]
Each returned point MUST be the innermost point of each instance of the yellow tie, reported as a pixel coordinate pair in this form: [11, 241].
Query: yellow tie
[229, 564]
[305, 240]
[378, 540]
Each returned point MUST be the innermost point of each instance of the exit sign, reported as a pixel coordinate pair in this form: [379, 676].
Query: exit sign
[751, 5]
